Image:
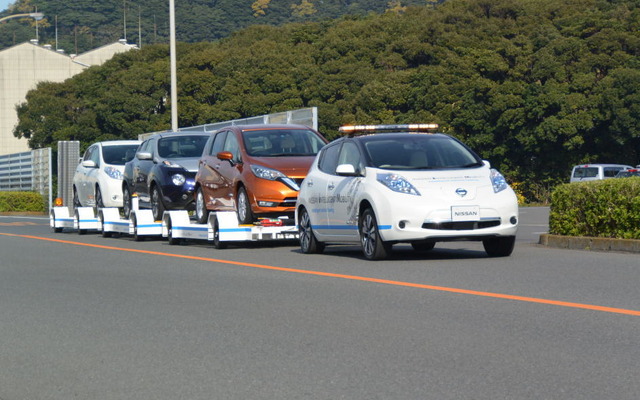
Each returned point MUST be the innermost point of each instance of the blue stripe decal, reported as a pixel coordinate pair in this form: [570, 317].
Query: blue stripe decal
[236, 230]
[347, 227]
[150, 226]
[191, 228]
[88, 220]
[117, 223]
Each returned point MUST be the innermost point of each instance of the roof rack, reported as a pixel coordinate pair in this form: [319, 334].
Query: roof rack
[367, 129]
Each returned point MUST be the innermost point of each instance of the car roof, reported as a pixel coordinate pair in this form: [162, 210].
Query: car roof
[261, 127]
[174, 134]
[587, 165]
[118, 142]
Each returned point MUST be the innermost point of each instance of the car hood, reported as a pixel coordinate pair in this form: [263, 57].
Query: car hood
[293, 167]
[190, 164]
[448, 183]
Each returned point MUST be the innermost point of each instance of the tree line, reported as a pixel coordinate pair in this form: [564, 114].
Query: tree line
[534, 86]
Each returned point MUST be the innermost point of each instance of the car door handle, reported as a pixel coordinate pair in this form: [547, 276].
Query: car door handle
[309, 183]
[331, 186]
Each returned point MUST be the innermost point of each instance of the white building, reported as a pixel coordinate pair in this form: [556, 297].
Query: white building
[24, 65]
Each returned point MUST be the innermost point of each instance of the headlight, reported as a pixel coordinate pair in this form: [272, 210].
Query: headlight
[398, 184]
[498, 181]
[274, 175]
[178, 179]
[266, 173]
[113, 173]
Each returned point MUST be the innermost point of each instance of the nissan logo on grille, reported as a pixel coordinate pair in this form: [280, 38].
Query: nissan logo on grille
[461, 192]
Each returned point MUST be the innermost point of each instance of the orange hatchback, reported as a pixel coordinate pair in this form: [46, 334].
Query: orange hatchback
[255, 170]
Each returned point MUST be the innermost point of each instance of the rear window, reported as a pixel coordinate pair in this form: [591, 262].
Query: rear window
[120, 154]
[585, 172]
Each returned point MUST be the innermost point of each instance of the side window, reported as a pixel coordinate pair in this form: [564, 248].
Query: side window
[350, 154]
[329, 159]
[144, 147]
[231, 145]
[218, 143]
[88, 153]
[95, 155]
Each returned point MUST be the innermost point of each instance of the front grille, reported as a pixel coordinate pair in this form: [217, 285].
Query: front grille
[461, 225]
[288, 202]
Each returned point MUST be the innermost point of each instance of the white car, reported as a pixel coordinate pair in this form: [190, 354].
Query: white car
[386, 184]
[98, 178]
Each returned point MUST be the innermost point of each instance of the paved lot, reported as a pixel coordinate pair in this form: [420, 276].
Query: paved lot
[87, 317]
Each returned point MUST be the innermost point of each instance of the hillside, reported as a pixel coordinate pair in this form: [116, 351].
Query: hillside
[532, 86]
[86, 24]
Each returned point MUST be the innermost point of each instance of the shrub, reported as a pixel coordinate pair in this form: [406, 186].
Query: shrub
[22, 201]
[609, 208]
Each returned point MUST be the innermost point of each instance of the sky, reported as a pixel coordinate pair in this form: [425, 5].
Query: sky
[4, 4]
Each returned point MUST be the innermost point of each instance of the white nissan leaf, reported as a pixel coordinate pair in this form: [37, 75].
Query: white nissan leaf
[385, 184]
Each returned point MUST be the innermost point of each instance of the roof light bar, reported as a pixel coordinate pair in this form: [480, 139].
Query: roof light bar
[352, 129]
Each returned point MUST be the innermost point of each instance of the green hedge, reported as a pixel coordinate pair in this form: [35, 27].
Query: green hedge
[22, 201]
[609, 208]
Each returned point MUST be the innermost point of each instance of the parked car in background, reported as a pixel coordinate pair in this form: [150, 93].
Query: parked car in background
[626, 173]
[162, 172]
[97, 181]
[593, 172]
[387, 184]
[255, 170]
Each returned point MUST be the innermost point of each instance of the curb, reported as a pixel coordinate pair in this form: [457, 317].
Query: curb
[590, 243]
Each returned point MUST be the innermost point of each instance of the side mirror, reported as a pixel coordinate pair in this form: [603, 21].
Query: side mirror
[89, 164]
[225, 155]
[347, 170]
[144, 155]
[487, 163]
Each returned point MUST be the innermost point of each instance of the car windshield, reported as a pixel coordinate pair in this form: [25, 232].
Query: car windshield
[281, 142]
[118, 154]
[419, 151]
[181, 146]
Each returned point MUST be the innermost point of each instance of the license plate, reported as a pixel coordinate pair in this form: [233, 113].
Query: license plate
[465, 213]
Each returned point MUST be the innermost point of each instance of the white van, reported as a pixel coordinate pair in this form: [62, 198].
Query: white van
[593, 172]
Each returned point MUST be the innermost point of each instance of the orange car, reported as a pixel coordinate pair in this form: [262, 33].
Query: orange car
[255, 170]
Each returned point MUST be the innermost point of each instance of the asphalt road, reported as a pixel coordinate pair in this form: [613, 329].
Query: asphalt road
[86, 317]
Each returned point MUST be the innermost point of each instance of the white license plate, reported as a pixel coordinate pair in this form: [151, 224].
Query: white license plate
[465, 213]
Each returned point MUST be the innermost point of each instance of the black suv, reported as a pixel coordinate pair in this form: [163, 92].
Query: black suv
[162, 172]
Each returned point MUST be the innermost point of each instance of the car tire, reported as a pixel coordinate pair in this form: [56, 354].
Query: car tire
[308, 242]
[423, 245]
[77, 217]
[99, 200]
[201, 208]
[373, 247]
[172, 240]
[500, 246]
[157, 206]
[104, 233]
[126, 202]
[76, 199]
[134, 222]
[216, 236]
[243, 207]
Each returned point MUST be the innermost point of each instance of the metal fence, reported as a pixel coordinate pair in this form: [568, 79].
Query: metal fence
[302, 116]
[27, 171]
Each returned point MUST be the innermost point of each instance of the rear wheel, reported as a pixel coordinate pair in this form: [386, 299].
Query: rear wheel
[172, 240]
[157, 206]
[126, 202]
[500, 246]
[245, 216]
[99, 200]
[308, 242]
[201, 208]
[216, 236]
[373, 247]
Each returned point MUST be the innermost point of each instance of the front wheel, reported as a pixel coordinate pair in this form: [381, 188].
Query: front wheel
[201, 208]
[76, 199]
[245, 216]
[157, 206]
[500, 246]
[99, 199]
[373, 247]
[308, 242]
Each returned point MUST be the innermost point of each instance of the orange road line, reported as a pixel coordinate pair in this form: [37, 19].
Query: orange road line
[351, 277]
